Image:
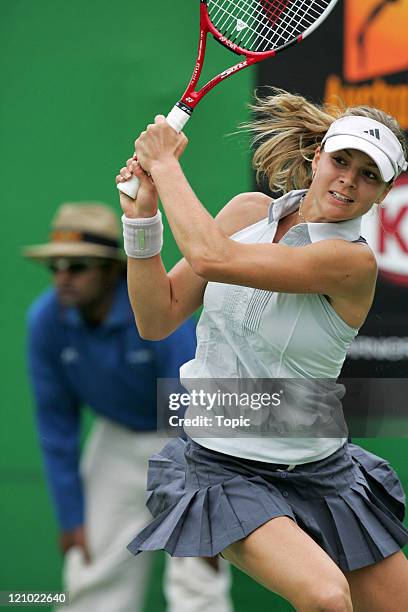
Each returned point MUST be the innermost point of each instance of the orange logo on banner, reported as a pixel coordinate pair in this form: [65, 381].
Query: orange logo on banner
[375, 42]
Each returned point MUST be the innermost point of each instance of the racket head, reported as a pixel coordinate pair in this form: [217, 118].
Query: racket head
[262, 28]
[255, 29]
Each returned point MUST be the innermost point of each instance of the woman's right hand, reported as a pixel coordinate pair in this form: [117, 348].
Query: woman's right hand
[147, 199]
[146, 203]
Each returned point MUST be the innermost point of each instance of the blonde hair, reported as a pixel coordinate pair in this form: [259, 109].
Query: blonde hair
[288, 129]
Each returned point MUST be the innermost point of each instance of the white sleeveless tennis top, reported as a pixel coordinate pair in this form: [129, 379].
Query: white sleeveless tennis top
[252, 333]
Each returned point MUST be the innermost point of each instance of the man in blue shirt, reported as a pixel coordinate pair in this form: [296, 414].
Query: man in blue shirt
[84, 350]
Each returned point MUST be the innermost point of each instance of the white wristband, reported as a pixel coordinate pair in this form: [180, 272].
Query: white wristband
[143, 237]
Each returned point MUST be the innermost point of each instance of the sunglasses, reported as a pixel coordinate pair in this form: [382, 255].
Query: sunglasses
[76, 266]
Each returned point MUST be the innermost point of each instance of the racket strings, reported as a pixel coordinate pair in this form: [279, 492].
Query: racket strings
[264, 25]
[256, 26]
[295, 21]
[242, 17]
[273, 10]
[283, 33]
[299, 18]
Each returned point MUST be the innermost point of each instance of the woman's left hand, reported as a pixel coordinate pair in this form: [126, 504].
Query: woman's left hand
[157, 143]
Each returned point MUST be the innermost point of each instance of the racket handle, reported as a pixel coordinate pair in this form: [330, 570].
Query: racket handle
[177, 119]
[130, 187]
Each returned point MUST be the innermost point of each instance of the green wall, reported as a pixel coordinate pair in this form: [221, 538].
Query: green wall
[80, 79]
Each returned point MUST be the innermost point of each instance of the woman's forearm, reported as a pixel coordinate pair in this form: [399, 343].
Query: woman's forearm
[198, 237]
[149, 286]
[150, 296]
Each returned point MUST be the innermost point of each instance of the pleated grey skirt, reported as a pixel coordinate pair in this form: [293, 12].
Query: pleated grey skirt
[351, 503]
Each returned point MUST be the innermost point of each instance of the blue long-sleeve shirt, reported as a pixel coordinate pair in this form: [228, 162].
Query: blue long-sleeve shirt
[108, 368]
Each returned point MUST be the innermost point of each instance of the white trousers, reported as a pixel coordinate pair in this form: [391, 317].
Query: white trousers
[113, 470]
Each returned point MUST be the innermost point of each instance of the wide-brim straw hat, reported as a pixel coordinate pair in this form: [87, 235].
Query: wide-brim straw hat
[81, 229]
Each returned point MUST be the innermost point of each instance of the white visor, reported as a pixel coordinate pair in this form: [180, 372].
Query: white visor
[371, 137]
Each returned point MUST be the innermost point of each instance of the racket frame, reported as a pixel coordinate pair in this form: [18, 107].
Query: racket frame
[191, 97]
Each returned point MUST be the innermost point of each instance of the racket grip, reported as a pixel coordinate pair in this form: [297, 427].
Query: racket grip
[130, 187]
[177, 119]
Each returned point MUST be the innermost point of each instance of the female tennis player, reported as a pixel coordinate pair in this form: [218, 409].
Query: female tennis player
[285, 285]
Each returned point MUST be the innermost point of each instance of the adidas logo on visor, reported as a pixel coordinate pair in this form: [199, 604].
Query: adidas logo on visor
[375, 133]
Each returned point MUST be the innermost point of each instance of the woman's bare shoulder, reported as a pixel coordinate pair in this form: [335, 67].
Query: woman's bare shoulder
[243, 210]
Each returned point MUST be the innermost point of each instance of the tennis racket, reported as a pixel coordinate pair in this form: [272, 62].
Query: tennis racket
[254, 29]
